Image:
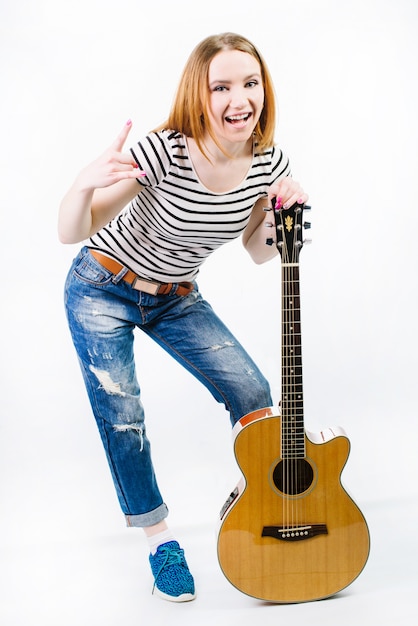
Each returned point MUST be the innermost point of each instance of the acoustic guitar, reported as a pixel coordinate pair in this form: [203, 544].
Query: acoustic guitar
[289, 532]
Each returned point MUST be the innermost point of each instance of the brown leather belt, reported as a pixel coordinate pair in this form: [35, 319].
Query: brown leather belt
[142, 284]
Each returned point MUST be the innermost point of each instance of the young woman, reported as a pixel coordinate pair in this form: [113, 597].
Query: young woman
[150, 217]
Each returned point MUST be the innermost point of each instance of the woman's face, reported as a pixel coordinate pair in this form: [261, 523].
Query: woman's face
[236, 95]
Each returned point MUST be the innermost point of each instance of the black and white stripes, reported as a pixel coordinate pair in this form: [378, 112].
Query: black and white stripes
[175, 223]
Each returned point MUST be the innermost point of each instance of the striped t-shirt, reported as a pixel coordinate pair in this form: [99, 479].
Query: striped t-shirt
[175, 222]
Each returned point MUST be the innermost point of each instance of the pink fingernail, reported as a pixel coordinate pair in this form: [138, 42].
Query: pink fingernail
[278, 203]
[300, 201]
[128, 123]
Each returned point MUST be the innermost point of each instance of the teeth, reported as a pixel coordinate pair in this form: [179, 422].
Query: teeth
[243, 116]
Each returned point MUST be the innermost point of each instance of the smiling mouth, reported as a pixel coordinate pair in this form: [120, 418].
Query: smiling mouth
[238, 119]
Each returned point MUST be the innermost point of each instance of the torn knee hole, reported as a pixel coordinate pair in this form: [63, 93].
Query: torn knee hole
[137, 428]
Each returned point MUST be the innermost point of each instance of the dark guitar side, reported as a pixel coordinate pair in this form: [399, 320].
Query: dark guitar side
[288, 570]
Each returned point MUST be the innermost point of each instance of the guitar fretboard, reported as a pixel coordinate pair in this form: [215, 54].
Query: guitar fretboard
[293, 432]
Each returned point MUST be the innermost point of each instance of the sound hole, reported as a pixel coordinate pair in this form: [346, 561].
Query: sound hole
[293, 476]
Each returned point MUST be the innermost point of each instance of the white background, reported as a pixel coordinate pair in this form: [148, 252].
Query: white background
[71, 74]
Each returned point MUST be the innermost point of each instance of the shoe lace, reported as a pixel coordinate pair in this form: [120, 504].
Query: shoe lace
[173, 556]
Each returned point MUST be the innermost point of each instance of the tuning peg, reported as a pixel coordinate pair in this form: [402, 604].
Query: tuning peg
[307, 225]
[307, 242]
[307, 207]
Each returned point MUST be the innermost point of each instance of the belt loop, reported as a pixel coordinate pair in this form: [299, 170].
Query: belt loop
[116, 278]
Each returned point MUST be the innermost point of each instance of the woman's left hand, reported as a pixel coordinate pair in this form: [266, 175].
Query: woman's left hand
[286, 192]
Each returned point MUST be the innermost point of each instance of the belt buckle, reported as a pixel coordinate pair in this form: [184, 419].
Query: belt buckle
[147, 286]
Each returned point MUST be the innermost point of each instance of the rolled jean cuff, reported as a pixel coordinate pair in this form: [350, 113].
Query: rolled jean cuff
[147, 519]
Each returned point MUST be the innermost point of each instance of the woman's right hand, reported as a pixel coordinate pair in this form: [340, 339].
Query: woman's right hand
[100, 191]
[110, 167]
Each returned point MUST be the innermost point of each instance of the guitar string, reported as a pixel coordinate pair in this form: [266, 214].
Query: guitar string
[300, 452]
[284, 381]
[285, 402]
[289, 405]
[293, 399]
[295, 412]
[286, 467]
[285, 425]
[292, 373]
[292, 392]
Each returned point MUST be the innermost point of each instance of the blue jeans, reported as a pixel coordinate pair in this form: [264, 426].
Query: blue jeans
[103, 310]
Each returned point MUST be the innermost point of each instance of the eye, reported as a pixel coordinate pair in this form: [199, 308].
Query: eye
[219, 88]
[252, 83]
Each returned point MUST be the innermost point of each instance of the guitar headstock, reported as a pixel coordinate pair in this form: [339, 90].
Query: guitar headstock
[289, 225]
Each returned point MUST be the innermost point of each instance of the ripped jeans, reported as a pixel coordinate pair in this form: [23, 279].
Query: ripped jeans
[103, 311]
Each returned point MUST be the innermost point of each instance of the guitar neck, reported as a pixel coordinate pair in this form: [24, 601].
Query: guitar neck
[293, 431]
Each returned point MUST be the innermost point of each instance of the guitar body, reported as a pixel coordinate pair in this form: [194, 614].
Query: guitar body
[282, 540]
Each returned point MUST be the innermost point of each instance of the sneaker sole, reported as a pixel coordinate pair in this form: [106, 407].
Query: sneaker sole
[184, 597]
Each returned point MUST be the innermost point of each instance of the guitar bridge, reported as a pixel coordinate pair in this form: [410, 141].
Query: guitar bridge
[294, 533]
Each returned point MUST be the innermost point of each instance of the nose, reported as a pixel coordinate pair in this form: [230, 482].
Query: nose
[238, 104]
[238, 99]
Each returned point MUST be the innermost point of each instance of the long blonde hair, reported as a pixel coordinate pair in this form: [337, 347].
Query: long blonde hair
[189, 112]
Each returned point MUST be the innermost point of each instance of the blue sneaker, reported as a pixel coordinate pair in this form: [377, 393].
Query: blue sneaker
[172, 579]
